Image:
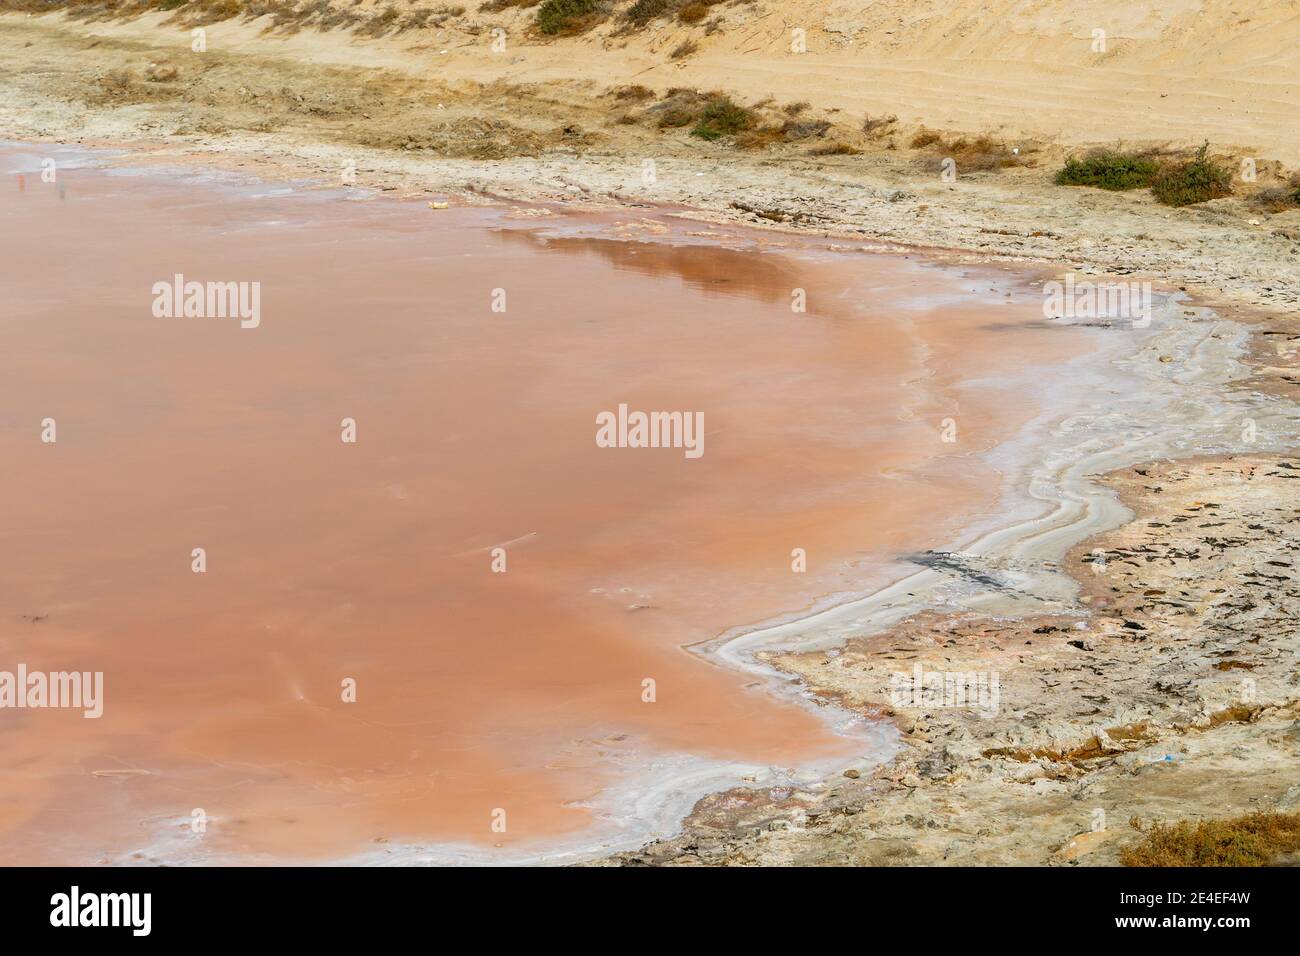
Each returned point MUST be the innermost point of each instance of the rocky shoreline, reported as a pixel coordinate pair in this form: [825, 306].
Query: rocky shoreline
[1173, 694]
[1146, 672]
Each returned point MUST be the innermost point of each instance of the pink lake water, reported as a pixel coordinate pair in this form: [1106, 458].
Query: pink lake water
[479, 695]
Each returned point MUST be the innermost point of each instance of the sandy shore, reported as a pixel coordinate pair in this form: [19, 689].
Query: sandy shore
[397, 114]
[1163, 686]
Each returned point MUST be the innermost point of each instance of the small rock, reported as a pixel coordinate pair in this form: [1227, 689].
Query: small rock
[1080, 844]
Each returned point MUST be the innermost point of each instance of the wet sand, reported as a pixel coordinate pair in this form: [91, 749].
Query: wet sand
[372, 560]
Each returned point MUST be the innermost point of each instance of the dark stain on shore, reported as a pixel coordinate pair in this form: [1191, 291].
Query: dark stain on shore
[948, 563]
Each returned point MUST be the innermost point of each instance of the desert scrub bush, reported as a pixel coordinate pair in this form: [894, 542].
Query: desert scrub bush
[202, 12]
[693, 13]
[1274, 199]
[380, 23]
[980, 153]
[73, 9]
[804, 129]
[635, 92]
[983, 152]
[835, 149]
[496, 6]
[679, 107]
[564, 16]
[1255, 839]
[755, 136]
[1197, 180]
[875, 126]
[643, 11]
[1109, 169]
[758, 137]
[415, 20]
[116, 83]
[676, 116]
[721, 117]
[684, 49]
[925, 137]
[422, 19]
[288, 18]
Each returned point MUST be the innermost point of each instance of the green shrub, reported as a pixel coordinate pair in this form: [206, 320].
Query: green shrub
[1110, 169]
[1195, 181]
[643, 11]
[558, 16]
[721, 117]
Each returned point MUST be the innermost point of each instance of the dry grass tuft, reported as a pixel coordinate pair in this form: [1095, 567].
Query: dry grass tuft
[693, 13]
[835, 149]
[1275, 199]
[635, 93]
[924, 138]
[1255, 839]
[971, 154]
[878, 126]
[684, 49]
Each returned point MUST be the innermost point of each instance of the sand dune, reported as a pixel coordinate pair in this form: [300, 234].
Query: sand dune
[1168, 70]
